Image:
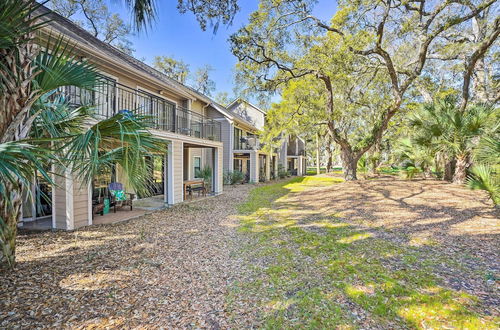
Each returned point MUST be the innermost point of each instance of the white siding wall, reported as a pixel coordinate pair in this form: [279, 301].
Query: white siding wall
[71, 202]
[249, 113]
[80, 205]
[219, 170]
[227, 130]
[177, 171]
[60, 206]
[254, 167]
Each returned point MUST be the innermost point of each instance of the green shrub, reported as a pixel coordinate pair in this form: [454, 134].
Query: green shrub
[235, 177]
[410, 172]
[281, 172]
[228, 176]
[206, 174]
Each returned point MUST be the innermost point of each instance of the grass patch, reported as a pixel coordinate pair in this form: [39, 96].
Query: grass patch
[326, 273]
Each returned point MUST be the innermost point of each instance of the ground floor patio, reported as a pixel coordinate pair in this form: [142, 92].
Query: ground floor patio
[256, 166]
[308, 252]
[190, 168]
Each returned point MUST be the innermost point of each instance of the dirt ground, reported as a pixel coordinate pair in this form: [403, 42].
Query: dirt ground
[438, 217]
[174, 268]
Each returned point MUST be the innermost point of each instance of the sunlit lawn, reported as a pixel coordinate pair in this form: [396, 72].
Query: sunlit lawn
[313, 270]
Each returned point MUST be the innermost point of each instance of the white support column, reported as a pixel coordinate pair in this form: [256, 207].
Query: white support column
[300, 166]
[254, 167]
[89, 205]
[165, 178]
[69, 216]
[53, 201]
[229, 151]
[218, 170]
[175, 173]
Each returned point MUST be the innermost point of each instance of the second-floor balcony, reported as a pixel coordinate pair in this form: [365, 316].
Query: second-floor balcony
[110, 97]
[248, 142]
[295, 148]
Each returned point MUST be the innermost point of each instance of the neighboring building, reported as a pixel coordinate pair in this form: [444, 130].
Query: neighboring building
[185, 119]
[293, 155]
[242, 149]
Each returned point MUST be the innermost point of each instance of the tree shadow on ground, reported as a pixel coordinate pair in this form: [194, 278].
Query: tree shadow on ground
[357, 237]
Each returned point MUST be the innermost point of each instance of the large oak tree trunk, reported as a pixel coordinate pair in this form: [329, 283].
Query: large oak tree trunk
[329, 162]
[329, 153]
[10, 214]
[349, 163]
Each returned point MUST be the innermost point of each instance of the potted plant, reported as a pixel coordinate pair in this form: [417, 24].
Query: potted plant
[206, 174]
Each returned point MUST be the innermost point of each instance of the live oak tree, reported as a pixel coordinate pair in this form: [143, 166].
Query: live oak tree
[392, 38]
[222, 98]
[97, 19]
[466, 61]
[175, 69]
[202, 81]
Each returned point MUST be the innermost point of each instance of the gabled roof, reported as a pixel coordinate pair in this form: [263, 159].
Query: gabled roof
[232, 115]
[240, 100]
[67, 28]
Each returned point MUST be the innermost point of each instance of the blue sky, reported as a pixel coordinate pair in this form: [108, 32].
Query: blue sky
[180, 36]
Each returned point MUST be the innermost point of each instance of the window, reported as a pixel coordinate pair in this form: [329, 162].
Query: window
[197, 166]
[237, 138]
[238, 165]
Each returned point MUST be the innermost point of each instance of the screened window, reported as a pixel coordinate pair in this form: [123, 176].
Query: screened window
[197, 166]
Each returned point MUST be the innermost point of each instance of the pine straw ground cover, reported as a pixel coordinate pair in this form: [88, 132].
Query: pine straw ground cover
[168, 269]
[381, 253]
[312, 252]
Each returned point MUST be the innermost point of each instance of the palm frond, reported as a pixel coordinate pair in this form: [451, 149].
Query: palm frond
[144, 12]
[488, 150]
[18, 20]
[483, 177]
[121, 139]
[60, 67]
[55, 117]
[18, 162]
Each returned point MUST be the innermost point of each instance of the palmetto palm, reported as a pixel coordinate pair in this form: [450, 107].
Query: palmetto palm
[421, 157]
[40, 130]
[443, 128]
[485, 174]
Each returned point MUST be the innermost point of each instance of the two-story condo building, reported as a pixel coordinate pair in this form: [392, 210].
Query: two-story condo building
[242, 149]
[293, 155]
[180, 118]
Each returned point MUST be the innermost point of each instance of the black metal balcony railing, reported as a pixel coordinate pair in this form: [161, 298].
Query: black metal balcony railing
[247, 142]
[294, 152]
[110, 97]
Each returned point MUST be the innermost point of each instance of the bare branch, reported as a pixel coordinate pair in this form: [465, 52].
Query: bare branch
[471, 63]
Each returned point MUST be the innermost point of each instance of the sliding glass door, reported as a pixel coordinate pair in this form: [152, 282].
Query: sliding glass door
[37, 202]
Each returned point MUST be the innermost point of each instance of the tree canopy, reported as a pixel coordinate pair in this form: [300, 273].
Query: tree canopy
[367, 59]
[175, 69]
[98, 20]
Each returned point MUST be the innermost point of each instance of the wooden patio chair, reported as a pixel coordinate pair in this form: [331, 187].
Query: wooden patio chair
[119, 201]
